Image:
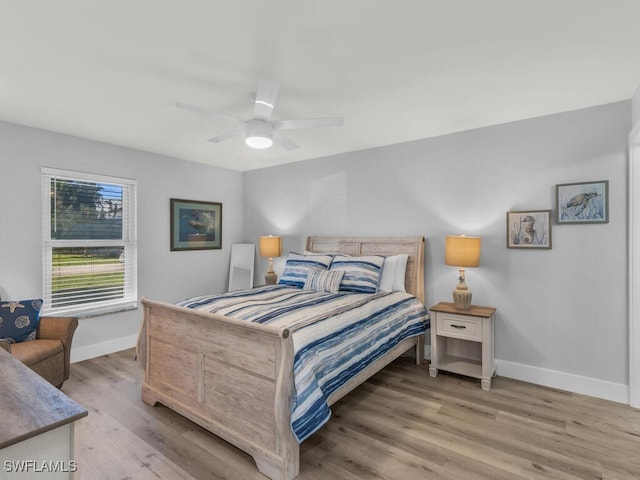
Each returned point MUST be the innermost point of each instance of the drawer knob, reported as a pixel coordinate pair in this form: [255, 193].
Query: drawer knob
[458, 326]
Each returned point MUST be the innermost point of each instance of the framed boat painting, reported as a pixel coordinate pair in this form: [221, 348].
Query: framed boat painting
[195, 225]
[584, 202]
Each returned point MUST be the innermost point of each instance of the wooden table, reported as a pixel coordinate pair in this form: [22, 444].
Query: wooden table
[37, 425]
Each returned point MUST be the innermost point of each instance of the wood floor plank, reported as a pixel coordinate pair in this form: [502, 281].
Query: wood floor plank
[109, 450]
[401, 424]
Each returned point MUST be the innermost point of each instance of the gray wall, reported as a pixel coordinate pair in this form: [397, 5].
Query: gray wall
[562, 315]
[162, 274]
[636, 106]
[561, 312]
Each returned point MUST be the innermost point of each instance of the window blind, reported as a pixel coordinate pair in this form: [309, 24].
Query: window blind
[89, 242]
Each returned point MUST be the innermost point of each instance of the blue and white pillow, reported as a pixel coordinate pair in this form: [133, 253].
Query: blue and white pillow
[321, 280]
[298, 267]
[19, 320]
[361, 274]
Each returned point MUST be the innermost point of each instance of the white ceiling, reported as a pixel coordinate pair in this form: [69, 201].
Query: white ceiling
[396, 71]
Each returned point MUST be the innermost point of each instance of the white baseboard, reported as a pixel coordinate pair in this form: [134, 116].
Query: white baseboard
[79, 354]
[616, 392]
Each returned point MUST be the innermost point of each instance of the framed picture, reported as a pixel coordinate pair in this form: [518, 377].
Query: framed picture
[530, 229]
[195, 225]
[586, 202]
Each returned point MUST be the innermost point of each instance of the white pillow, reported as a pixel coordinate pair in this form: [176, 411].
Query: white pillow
[393, 273]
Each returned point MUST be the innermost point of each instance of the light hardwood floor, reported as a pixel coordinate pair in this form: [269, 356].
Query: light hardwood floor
[401, 424]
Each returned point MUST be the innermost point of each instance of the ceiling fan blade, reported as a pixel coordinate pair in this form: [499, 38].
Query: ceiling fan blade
[308, 123]
[230, 134]
[204, 111]
[266, 96]
[284, 141]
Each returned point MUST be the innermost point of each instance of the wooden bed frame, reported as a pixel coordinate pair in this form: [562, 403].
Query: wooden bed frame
[235, 378]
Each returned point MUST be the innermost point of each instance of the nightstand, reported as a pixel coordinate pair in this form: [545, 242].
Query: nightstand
[462, 341]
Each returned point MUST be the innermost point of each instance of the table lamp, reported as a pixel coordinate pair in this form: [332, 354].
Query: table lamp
[462, 251]
[270, 247]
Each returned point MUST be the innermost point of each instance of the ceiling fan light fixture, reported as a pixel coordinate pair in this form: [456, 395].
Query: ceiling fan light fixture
[258, 141]
[259, 134]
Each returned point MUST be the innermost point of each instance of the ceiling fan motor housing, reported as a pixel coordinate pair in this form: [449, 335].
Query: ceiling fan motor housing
[259, 133]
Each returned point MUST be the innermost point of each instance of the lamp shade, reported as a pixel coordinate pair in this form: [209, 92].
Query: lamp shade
[462, 251]
[270, 246]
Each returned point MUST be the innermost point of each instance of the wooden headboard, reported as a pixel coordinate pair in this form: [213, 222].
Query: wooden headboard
[386, 246]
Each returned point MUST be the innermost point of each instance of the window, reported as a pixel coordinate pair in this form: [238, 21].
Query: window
[89, 243]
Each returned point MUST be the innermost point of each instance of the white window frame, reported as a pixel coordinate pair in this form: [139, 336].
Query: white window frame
[129, 240]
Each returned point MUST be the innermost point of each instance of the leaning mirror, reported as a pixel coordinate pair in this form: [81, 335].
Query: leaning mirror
[241, 266]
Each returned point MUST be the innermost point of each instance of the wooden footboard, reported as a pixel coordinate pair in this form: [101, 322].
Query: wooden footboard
[233, 378]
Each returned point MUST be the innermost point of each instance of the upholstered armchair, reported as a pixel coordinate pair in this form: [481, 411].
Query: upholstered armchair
[49, 354]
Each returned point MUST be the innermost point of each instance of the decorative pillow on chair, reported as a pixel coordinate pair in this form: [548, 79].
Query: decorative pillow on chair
[321, 280]
[19, 320]
[298, 267]
[361, 274]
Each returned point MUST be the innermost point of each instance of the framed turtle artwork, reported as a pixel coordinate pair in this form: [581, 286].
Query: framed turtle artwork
[584, 202]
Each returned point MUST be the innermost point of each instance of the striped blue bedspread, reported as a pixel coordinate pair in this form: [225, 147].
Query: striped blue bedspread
[335, 336]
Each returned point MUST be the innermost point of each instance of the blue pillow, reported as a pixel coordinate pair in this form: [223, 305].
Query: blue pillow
[298, 267]
[361, 274]
[19, 320]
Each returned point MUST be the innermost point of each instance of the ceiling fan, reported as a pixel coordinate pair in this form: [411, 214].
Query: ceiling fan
[260, 131]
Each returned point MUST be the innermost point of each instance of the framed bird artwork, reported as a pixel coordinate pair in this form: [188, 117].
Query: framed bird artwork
[529, 229]
[584, 202]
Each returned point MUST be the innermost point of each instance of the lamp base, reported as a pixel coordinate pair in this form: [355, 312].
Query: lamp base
[271, 278]
[462, 299]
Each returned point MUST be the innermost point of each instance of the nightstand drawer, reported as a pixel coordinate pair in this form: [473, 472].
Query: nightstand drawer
[460, 326]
